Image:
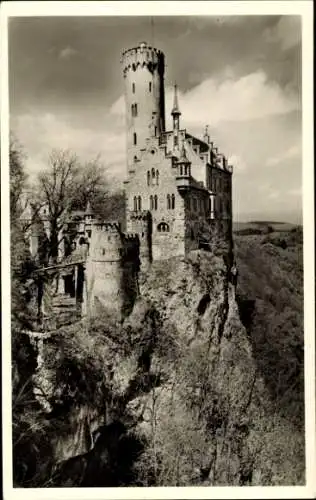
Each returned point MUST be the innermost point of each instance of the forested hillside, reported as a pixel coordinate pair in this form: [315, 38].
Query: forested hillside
[270, 297]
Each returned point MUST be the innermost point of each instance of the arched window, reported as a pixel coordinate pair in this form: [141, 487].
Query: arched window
[168, 202]
[133, 88]
[163, 227]
[135, 138]
[156, 202]
[148, 178]
[139, 203]
[151, 202]
[135, 203]
[153, 175]
[173, 201]
[157, 177]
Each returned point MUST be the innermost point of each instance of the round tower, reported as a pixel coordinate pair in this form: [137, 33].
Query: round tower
[104, 269]
[143, 70]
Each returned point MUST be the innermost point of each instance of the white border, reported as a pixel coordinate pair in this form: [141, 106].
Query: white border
[176, 8]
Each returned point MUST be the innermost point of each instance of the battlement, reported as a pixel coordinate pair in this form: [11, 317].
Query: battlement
[131, 237]
[113, 227]
[141, 56]
[142, 215]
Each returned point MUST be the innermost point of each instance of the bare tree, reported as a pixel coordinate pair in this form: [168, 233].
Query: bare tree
[66, 185]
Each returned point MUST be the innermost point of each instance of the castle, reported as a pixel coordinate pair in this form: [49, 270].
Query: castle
[178, 195]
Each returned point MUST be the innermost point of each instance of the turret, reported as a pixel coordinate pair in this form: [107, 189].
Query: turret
[143, 70]
[176, 113]
[206, 136]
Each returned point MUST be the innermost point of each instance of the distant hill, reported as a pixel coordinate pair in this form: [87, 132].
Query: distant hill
[261, 227]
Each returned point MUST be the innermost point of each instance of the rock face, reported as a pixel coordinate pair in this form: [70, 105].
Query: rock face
[181, 376]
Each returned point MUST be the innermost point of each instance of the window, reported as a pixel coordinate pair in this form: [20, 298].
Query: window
[156, 202]
[151, 202]
[148, 178]
[163, 227]
[149, 86]
[135, 159]
[153, 175]
[173, 201]
[195, 204]
[139, 203]
[176, 140]
[157, 177]
[135, 138]
[134, 109]
[135, 203]
[168, 202]
[133, 88]
[89, 233]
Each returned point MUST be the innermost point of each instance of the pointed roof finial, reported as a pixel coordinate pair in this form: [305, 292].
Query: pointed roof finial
[88, 210]
[206, 135]
[175, 109]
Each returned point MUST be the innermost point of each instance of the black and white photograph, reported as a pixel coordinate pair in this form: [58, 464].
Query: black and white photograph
[157, 189]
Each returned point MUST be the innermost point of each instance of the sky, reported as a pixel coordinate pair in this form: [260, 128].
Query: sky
[241, 75]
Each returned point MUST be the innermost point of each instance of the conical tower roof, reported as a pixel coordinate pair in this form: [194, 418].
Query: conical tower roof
[88, 210]
[175, 109]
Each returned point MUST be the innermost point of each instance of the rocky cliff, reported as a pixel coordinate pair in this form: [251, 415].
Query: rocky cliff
[170, 397]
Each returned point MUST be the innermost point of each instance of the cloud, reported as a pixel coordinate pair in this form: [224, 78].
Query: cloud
[231, 99]
[40, 133]
[290, 153]
[246, 98]
[287, 32]
[67, 53]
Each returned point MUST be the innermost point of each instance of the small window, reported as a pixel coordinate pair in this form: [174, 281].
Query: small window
[103, 251]
[133, 88]
[156, 202]
[135, 138]
[151, 202]
[139, 203]
[135, 159]
[149, 86]
[176, 140]
[157, 177]
[173, 201]
[89, 233]
[168, 202]
[148, 178]
[134, 109]
[135, 203]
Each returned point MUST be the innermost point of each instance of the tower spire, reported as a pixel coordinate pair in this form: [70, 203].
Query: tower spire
[175, 109]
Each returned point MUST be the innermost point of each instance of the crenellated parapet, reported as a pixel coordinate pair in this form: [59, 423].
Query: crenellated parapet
[142, 56]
